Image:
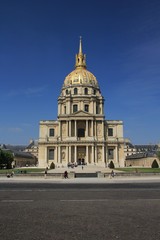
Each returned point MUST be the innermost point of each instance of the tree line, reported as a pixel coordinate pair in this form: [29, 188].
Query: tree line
[6, 159]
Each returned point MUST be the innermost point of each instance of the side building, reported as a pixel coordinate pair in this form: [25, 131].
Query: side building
[81, 134]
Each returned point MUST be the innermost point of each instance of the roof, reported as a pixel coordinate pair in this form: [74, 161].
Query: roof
[32, 144]
[22, 154]
[140, 155]
[3, 146]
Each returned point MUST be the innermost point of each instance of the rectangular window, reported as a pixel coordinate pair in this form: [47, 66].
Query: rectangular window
[110, 153]
[86, 108]
[51, 132]
[51, 154]
[110, 132]
[97, 109]
[81, 132]
[75, 108]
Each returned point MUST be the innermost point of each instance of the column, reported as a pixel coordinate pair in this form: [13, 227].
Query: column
[116, 155]
[95, 129]
[103, 155]
[92, 107]
[87, 154]
[70, 128]
[86, 128]
[93, 160]
[96, 160]
[92, 132]
[106, 153]
[59, 154]
[94, 104]
[67, 128]
[69, 154]
[58, 108]
[75, 128]
[75, 153]
[46, 155]
[103, 128]
[59, 130]
[69, 108]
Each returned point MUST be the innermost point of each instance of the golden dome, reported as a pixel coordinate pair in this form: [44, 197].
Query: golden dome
[80, 75]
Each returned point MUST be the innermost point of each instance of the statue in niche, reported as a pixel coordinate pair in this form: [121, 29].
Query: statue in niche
[99, 155]
[99, 129]
[63, 155]
[63, 129]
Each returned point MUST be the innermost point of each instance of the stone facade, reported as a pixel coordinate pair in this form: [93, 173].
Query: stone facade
[81, 134]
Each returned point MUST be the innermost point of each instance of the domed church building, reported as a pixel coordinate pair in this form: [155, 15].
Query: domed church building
[81, 135]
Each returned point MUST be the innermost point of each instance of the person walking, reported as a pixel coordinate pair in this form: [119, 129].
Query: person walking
[45, 173]
[112, 174]
[65, 174]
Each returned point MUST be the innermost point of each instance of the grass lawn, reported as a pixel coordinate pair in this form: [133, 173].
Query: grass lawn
[18, 170]
[140, 170]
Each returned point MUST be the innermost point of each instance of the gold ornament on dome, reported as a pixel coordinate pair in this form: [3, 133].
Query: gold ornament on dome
[80, 75]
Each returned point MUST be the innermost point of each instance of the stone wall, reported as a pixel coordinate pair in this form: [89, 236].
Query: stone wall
[142, 162]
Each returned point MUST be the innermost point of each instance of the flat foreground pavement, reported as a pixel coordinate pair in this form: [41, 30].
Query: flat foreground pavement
[60, 211]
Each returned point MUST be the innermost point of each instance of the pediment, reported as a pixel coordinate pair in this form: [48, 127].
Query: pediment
[81, 114]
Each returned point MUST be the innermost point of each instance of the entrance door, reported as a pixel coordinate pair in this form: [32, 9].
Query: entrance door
[81, 161]
[81, 154]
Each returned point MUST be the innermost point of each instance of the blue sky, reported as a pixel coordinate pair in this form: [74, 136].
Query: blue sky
[38, 43]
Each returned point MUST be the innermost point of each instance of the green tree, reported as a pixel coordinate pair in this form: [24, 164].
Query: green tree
[111, 165]
[6, 159]
[52, 166]
[155, 164]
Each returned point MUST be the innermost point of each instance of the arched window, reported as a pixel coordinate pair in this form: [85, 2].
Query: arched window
[94, 92]
[66, 91]
[86, 91]
[51, 132]
[75, 91]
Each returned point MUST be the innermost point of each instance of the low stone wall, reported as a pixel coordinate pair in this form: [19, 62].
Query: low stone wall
[41, 175]
[132, 174]
[141, 162]
[73, 175]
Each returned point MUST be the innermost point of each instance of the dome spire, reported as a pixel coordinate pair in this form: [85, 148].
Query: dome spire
[80, 57]
[80, 45]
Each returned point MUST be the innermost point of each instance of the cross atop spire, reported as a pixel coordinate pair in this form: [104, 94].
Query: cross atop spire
[80, 57]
